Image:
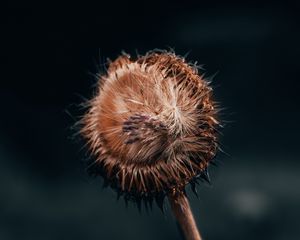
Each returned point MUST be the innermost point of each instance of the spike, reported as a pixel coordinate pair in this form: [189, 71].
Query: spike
[213, 163]
[119, 194]
[194, 189]
[138, 202]
[150, 201]
[205, 175]
[196, 179]
[160, 201]
[145, 200]
[126, 201]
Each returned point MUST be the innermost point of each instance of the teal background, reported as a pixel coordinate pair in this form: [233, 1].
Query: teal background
[49, 56]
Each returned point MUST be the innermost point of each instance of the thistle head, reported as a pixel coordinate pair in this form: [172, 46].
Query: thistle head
[151, 126]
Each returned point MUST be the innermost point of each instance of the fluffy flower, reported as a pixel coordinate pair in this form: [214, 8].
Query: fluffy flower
[152, 125]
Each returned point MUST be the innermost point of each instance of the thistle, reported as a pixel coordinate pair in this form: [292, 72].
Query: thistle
[152, 131]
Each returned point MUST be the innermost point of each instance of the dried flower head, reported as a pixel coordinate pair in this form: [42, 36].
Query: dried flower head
[152, 125]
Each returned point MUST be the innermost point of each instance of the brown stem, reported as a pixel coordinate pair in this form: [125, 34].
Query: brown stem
[184, 216]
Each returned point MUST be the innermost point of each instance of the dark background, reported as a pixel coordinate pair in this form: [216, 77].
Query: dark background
[49, 56]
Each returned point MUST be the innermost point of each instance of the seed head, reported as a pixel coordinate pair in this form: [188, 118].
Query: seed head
[152, 125]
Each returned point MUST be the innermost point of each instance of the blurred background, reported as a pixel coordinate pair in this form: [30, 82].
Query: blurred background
[49, 58]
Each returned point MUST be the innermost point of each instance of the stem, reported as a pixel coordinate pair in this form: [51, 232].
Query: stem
[184, 216]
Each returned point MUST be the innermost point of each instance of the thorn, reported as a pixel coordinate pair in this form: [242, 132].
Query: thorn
[160, 202]
[119, 194]
[126, 201]
[196, 179]
[194, 189]
[145, 200]
[205, 176]
[214, 163]
[150, 201]
[187, 54]
[138, 201]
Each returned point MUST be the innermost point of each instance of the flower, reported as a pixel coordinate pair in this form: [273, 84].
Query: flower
[151, 126]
